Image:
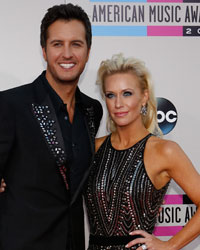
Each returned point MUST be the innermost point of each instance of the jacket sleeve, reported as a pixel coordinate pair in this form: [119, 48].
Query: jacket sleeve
[6, 131]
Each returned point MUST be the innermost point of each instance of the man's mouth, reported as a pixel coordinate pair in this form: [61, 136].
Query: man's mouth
[67, 65]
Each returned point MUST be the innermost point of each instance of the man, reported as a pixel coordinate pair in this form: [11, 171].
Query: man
[47, 132]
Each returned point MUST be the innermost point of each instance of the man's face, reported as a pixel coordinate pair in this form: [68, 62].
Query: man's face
[66, 52]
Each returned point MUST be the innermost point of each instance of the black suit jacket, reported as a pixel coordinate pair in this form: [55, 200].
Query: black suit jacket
[36, 210]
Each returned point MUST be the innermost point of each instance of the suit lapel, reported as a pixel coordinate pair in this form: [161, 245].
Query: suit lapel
[45, 115]
[90, 125]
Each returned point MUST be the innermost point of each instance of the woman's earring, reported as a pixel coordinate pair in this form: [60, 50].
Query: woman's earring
[143, 110]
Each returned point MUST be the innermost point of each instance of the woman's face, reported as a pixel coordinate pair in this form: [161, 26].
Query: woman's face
[124, 98]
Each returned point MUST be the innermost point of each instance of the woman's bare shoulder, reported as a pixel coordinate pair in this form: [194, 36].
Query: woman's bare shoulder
[163, 146]
[99, 141]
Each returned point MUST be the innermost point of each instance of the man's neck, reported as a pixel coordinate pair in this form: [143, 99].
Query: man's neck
[67, 93]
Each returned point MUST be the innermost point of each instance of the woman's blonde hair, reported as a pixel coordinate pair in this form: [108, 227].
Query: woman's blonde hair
[119, 64]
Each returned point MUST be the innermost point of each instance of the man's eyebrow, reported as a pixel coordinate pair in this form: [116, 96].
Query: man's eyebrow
[77, 41]
[56, 41]
[60, 41]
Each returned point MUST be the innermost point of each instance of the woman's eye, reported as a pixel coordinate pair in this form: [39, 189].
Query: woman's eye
[127, 93]
[109, 95]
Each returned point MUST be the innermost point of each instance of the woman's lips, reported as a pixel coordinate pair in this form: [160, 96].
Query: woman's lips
[120, 114]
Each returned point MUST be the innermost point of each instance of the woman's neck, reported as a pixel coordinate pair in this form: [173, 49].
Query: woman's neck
[125, 137]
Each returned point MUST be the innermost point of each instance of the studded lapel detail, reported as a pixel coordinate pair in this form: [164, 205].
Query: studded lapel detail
[46, 117]
[89, 114]
[90, 125]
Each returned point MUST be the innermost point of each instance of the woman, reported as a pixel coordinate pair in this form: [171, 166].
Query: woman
[132, 167]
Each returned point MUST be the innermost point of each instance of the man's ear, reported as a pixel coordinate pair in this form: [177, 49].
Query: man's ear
[44, 53]
[88, 54]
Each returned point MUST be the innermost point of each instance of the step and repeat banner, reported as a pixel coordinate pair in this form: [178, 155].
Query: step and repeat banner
[165, 34]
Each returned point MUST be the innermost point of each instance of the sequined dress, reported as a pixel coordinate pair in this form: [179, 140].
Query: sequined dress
[120, 196]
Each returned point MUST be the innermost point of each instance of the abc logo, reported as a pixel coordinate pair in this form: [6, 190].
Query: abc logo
[166, 115]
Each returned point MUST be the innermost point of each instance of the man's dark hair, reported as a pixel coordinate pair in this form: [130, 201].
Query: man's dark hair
[66, 12]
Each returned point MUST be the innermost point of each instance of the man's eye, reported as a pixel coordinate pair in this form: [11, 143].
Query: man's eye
[57, 44]
[76, 44]
[109, 95]
[127, 93]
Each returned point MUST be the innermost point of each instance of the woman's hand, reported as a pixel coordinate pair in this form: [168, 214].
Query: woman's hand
[148, 241]
[2, 186]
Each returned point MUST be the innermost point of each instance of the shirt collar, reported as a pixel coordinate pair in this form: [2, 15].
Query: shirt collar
[55, 98]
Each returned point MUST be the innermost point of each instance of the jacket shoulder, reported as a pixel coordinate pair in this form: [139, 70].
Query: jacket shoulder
[19, 93]
[16, 90]
[89, 101]
[98, 110]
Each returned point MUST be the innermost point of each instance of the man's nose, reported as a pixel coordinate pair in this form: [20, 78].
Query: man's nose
[67, 51]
